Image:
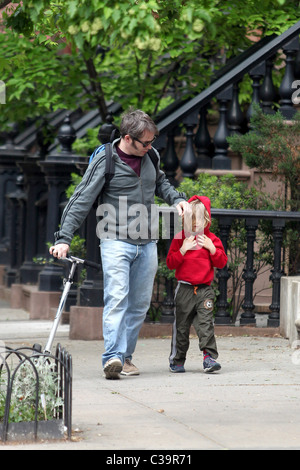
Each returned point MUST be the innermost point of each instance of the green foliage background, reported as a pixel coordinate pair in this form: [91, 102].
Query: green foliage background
[143, 53]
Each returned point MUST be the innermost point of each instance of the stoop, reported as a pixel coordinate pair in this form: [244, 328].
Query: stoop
[37, 303]
[86, 323]
[289, 307]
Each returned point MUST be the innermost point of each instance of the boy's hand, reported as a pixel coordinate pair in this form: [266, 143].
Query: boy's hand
[188, 244]
[205, 242]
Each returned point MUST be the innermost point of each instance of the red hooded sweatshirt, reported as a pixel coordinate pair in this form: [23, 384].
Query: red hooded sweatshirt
[196, 266]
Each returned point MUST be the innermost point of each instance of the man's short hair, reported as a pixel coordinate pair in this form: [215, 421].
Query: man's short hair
[135, 122]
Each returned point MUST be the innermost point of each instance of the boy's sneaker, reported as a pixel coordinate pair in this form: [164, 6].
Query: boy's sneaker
[210, 365]
[177, 368]
[129, 368]
[112, 368]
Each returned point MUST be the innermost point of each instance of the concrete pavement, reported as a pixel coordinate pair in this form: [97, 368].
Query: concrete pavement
[252, 403]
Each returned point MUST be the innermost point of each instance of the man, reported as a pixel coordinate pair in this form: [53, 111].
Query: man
[128, 248]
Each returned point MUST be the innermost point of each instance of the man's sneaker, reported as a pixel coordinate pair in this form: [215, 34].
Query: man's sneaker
[177, 368]
[112, 368]
[210, 365]
[129, 368]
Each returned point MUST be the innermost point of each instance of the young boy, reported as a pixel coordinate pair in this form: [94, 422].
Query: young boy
[194, 253]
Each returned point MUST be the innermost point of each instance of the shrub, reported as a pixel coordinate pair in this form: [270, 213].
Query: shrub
[24, 390]
[274, 144]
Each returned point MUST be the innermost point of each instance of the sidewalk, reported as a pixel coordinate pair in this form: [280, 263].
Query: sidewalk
[252, 403]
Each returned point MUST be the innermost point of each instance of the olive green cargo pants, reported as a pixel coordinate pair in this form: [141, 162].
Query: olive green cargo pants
[193, 305]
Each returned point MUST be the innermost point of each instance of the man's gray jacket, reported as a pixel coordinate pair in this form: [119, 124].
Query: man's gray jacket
[126, 205]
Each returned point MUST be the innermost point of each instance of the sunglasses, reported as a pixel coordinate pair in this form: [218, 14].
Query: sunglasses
[144, 144]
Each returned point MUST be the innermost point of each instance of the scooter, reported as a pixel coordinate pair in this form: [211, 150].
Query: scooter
[67, 286]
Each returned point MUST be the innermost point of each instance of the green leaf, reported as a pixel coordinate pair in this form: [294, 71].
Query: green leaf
[116, 15]
[72, 8]
[107, 12]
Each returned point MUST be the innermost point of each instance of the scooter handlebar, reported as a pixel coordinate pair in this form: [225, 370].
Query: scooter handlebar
[85, 262]
[91, 264]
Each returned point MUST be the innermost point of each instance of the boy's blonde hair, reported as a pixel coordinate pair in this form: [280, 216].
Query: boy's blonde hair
[198, 210]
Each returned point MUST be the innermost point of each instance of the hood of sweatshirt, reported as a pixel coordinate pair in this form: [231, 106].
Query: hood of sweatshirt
[206, 202]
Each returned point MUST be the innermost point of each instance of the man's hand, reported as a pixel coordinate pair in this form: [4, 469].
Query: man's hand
[60, 250]
[183, 207]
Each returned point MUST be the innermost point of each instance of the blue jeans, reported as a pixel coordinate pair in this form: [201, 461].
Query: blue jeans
[128, 276]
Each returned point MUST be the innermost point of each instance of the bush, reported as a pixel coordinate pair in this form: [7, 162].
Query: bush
[23, 398]
[273, 144]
